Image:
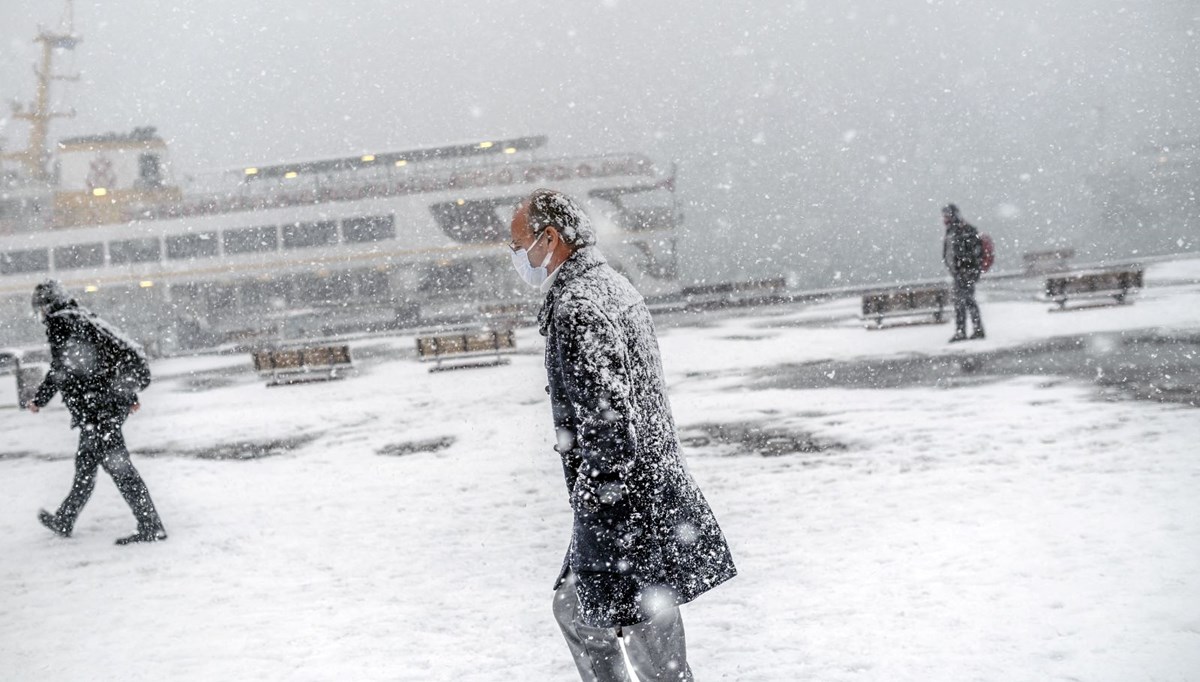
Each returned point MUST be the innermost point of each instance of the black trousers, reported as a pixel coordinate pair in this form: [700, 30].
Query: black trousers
[964, 303]
[103, 445]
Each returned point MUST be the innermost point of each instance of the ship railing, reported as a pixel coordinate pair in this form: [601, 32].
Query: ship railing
[257, 196]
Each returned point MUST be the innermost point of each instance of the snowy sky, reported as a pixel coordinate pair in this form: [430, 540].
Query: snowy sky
[809, 130]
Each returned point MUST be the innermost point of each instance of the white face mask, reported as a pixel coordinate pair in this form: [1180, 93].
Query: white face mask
[532, 276]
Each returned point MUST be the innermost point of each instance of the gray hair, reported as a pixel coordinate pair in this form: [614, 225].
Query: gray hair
[549, 208]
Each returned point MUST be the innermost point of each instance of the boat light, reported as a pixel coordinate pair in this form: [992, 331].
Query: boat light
[290, 174]
[402, 162]
[100, 192]
[510, 150]
[368, 158]
[91, 289]
[145, 284]
[486, 145]
[251, 171]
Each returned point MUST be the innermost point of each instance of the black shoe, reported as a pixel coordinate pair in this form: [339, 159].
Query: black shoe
[144, 536]
[52, 522]
[978, 334]
[958, 337]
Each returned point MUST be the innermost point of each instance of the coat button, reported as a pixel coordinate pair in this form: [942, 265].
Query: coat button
[547, 387]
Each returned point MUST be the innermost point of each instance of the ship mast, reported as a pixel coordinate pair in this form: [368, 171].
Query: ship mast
[35, 156]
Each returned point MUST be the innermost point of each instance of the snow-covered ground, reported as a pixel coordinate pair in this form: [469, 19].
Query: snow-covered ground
[403, 525]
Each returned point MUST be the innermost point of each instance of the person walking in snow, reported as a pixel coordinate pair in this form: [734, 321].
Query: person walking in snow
[962, 252]
[644, 539]
[98, 372]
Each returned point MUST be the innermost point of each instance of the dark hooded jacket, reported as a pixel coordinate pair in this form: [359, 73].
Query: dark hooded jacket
[643, 536]
[91, 388]
[962, 251]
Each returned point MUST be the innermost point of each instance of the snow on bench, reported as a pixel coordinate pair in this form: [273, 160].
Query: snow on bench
[463, 349]
[905, 302]
[282, 366]
[1102, 284]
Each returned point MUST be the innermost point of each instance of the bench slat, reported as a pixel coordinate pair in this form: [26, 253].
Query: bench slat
[904, 302]
[1115, 283]
[283, 365]
[465, 344]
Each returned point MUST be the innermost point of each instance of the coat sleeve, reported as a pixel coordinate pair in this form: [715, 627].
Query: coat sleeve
[596, 380]
[57, 331]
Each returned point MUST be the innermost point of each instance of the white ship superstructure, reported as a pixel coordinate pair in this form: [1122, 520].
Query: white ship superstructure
[274, 252]
[322, 246]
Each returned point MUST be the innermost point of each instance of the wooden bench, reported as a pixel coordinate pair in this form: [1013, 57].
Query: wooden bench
[1104, 284]
[463, 350]
[298, 365]
[733, 294]
[906, 302]
[1042, 262]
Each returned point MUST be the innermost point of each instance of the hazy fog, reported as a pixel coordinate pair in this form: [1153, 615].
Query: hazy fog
[812, 137]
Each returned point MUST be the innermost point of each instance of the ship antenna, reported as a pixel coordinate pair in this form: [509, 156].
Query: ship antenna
[35, 156]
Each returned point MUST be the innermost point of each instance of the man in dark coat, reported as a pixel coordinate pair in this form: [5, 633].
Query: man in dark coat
[99, 399]
[962, 251]
[644, 540]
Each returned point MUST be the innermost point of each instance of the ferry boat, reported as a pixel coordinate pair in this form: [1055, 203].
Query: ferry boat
[278, 251]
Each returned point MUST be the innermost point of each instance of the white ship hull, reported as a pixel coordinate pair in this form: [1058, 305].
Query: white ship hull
[273, 259]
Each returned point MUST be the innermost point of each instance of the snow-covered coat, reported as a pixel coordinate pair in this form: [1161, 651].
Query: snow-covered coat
[90, 389]
[644, 537]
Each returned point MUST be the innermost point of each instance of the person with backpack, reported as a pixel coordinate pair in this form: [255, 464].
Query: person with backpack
[963, 251]
[98, 372]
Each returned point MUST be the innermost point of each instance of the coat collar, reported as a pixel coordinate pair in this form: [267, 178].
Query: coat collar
[581, 261]
[58, 307]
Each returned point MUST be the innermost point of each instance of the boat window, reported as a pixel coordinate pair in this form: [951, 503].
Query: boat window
[31, 260]
[373, 284]
[476, 221]
[134, 251]
[264, 294]
[327, 289]
[79, 256]
[203, 245]
[369, 229]
[301, 235]
[639, 209]
[251, 240]
[202, 299]
[443, 278]
[150, 175]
